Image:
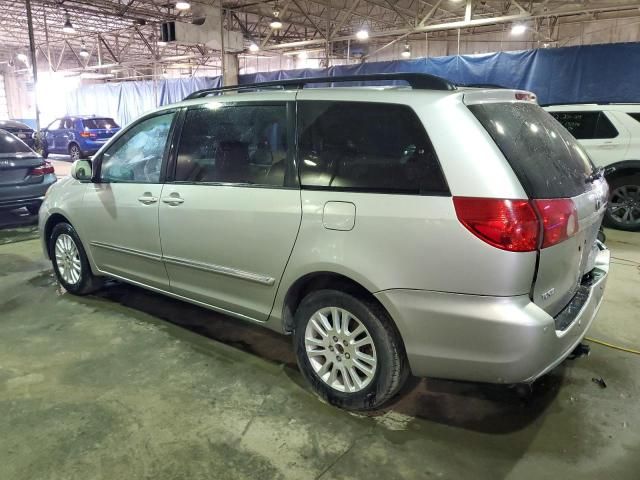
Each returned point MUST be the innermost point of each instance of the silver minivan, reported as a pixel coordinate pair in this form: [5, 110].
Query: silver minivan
[423, 228]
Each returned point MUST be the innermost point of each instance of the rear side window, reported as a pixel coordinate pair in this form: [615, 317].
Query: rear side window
[547, 160]
[587, 125]
[370, 147]
[245, 144]
[99, 123]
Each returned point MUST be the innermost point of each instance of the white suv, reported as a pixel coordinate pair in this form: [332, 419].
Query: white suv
[610, 133]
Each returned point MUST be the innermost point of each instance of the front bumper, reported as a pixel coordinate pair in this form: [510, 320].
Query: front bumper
[491, 339]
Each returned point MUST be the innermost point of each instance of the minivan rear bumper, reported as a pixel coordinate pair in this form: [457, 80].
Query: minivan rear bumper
[491, 339]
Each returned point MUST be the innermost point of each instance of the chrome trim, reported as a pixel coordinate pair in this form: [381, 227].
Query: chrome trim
[128, 251]
[231, 272]
[181, 297]
[207, 267]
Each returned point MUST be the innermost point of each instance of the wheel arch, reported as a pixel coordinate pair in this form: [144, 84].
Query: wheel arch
[52, 221]
[620, 169]
[323, 280]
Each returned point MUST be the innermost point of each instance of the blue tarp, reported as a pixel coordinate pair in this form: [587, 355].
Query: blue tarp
[125, 101]
[593, 73]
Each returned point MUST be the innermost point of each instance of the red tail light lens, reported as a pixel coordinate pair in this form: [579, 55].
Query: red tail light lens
[43, 169]
[86, 134]
[506, 224]
[559, 220]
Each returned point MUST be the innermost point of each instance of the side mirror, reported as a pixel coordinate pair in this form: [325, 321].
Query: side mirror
[81, 170]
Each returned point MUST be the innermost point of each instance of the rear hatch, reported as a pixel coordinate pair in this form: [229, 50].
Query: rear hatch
[567, 192]
[100, 128]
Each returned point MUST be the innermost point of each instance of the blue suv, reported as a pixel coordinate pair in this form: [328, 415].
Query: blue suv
[78, 136]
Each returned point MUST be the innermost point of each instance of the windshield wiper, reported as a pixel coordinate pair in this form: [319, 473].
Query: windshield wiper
[596, 174]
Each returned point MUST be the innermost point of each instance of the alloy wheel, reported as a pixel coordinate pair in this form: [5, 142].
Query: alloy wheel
[624, 206]
[340, 349]
[74, 152]
[68, 259]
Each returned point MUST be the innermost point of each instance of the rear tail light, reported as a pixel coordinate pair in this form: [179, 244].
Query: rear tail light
[85, 134]
[506, 224]
[527, 96]
[559, 220]
[514, 225]
[42, 169]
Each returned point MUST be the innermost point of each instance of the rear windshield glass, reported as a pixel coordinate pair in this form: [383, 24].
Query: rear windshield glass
[10, 144]
[545, 157]
[99, 123]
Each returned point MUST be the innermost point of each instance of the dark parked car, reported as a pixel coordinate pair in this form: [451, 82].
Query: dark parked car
[24, 175]
[78, 136]
[21, 130]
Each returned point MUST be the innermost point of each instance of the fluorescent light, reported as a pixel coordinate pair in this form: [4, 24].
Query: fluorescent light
[22, 57]
[303, 55]
[362, 34]
[68, 27]
[406, 53]
[518, 29]
[254, 47]
[161, 43]
[183, 5]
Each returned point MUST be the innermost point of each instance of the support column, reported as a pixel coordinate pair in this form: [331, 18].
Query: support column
[34, 62]
[230, 69]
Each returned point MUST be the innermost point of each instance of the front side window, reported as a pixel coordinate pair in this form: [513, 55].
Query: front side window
[137, 155]
[244, 144]
[369, 147]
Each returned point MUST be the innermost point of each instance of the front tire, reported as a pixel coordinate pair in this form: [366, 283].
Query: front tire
[623, 211]
[349, 350]
[70, 262]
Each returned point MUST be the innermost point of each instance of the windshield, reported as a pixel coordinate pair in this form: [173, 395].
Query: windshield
[547, 160]
[99, 123]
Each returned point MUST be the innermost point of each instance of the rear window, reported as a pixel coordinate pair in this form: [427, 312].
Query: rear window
[10, 144]
[546, 159]
[99, 123]
[366, 147]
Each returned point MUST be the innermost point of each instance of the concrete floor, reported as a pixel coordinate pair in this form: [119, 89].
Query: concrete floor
[128, 384]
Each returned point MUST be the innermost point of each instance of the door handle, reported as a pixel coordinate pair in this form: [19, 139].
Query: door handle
[174, 201]
[147, 199]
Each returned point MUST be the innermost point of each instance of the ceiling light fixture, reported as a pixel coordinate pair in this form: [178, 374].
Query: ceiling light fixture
[254, 47]
[83, 51]
[22, 57]
[68, 27]
[518, 29]
[276, 24]
[362, 34]
[183, 5]
[303, 55]
[406, 53]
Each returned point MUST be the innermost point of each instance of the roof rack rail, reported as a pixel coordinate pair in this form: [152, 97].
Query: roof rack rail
[418, 81]
[594, 102]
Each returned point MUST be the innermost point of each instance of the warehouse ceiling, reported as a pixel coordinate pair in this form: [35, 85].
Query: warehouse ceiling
[126, 33]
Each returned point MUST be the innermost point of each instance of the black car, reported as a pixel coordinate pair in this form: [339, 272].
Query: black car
[21, 130]
[24, 175]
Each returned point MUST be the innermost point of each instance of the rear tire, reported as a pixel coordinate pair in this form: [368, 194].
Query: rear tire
[349, 350]
[74, 152]
[623, 211]
[70, 262]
